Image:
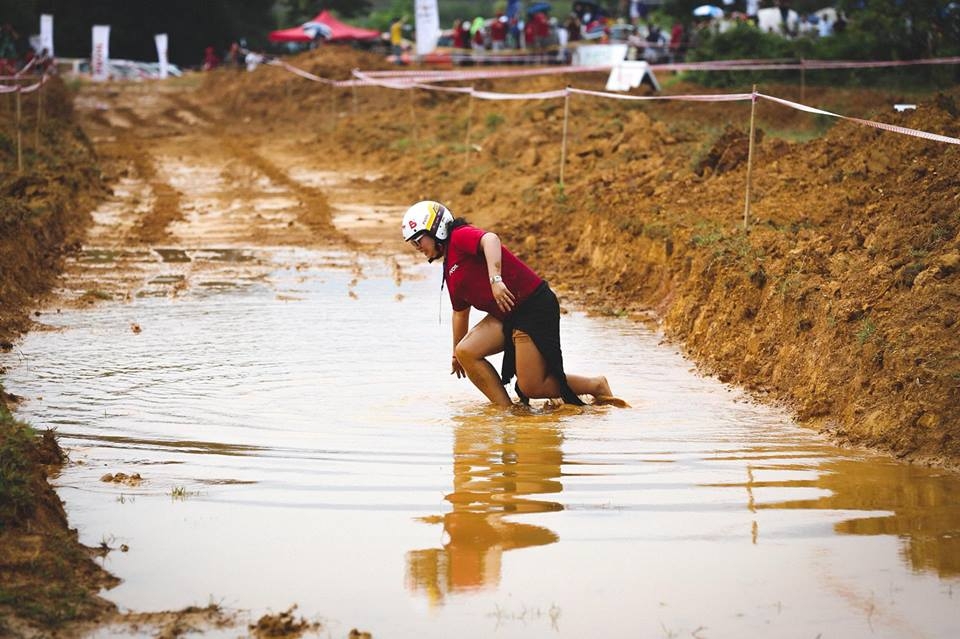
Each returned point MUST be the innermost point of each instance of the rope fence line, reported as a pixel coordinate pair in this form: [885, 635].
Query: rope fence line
[19, 90]
[409, 80]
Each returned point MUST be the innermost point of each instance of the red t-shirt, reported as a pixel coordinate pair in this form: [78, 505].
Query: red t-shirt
[467, 277]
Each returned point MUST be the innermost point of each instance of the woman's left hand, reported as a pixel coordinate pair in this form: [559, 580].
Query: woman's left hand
[503, 297]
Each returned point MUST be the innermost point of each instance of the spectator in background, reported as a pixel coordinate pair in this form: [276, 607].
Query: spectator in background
[541, 31]
[234, 58]
[254, 59]
[396, 39]
[677, 38]
[515, 33]
[824, 26]
[573, 27]
[458, 40]
[498, 32]
[656, 44]
[45, 62]
[210, 59]
[477, 40]
[638, 11]
[752, 7]
[8, 49]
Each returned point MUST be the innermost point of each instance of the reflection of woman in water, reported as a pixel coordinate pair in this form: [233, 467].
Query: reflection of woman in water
[500, 473]
[523, 315]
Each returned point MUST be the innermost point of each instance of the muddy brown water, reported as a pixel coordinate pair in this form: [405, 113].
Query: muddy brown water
[300, 441]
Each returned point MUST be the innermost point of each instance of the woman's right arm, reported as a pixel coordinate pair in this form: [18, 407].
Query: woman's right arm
[461, 322]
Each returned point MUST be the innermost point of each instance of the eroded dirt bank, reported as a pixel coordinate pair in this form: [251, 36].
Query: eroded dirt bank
[841, 300]
[47, 578]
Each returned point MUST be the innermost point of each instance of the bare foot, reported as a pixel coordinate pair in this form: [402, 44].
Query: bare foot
[603, 388]
[609, 400]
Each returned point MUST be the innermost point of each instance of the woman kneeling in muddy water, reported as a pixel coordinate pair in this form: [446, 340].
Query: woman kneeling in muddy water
[523, 315]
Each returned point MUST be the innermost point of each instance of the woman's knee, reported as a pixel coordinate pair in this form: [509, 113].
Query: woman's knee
[465, 352]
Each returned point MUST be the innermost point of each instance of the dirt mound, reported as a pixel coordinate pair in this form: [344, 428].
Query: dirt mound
[840, 300]
[43, 208]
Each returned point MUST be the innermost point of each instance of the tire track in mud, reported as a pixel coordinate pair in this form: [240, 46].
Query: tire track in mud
[166, 209]
[314, 210]
[124, 135]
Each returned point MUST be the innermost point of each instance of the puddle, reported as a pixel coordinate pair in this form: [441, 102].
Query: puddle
[300, 441]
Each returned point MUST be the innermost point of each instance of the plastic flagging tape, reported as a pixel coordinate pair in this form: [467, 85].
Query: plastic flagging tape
[368, 79]
[878, 125]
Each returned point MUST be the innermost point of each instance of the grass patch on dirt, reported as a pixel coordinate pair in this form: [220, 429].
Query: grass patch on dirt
[47, 577]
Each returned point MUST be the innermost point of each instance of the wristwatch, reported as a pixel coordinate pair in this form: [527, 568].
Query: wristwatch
[495, 279]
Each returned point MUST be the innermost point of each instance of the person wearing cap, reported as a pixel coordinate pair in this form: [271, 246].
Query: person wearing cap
[523, 314]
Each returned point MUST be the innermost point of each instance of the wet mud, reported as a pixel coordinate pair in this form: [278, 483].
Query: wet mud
[852, 248]
[256, 189]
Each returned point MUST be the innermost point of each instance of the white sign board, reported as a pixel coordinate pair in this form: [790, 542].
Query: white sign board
[46, 33]
[161, 41]
[100, 56]
[629, 74]
[427, 26]
[599, 55]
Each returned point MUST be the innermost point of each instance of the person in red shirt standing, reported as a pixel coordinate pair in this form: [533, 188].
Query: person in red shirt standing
[498, 32]
[523, 314]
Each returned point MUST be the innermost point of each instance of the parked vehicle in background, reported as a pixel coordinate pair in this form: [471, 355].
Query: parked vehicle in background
[118, 69]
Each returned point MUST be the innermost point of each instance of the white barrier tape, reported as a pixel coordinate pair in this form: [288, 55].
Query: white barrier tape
[544, 95]
[842, 64]
[482, 95]
[30, 88]
[878, 125]
[482, 74]
[775, 65]
[725, 97]
[26, 68]
[365, 79]
[433, 87]
[716, 65]
[299, 72]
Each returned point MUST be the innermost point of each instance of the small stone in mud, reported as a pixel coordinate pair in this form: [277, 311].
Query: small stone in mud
[282, 624]
[122, 478]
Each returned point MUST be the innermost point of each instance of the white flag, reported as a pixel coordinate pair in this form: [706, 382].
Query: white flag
[161, 40]
[100, 56]
[427, 26]
[46, 33]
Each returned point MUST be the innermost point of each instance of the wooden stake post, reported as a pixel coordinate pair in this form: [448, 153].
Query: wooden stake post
[36, 139]
[563, 146]
[746, 204]
[413, 119]
[466, 142]
[19, 137]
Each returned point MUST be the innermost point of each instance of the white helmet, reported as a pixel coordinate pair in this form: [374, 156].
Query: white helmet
[427, 217]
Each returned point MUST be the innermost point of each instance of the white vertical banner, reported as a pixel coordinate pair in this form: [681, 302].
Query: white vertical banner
[46, 33]
[427, 25]
[100, 56]
[161, 40]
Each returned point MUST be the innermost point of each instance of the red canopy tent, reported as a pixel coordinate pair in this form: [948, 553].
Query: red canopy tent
[338, 31]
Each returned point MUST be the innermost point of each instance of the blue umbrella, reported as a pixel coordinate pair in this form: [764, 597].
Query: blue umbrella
[314, 29]
[708, 11]
[537, 7]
